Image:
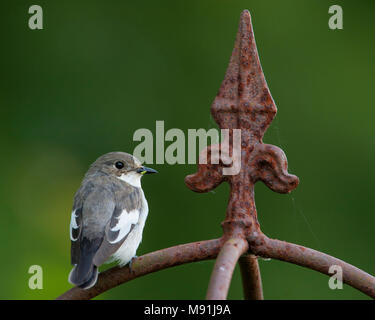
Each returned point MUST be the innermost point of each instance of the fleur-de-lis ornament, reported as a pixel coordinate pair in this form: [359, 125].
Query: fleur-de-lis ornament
[244, 102]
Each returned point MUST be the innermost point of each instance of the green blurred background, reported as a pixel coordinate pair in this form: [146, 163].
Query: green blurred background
[99, 70]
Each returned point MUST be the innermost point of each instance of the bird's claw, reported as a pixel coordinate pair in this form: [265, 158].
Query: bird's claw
[131, 263]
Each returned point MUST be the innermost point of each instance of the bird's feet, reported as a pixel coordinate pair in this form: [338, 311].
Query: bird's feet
[131, 263]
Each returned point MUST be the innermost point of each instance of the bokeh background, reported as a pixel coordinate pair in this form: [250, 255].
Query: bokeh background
[99, 70]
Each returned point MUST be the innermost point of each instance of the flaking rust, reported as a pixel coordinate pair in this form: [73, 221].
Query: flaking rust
[244, 102]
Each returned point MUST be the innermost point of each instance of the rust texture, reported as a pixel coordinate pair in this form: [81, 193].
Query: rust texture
[243, 102]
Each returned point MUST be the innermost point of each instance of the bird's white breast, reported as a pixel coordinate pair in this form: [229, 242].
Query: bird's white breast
[129, 248]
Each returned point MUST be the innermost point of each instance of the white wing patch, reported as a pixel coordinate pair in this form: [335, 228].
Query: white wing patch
[73, 225]
[125, 221]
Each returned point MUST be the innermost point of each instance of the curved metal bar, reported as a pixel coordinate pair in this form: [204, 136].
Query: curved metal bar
[148, 263]
[312, 259]
[224, 267]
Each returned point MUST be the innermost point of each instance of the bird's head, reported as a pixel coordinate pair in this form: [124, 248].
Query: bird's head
[122, 165]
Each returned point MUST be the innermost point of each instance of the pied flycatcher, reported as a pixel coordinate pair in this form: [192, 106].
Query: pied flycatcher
[109, 213]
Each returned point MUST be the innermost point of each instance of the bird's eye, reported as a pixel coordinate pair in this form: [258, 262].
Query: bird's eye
[119, 164]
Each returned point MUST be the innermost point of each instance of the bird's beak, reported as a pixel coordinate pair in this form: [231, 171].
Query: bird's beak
[146, 170]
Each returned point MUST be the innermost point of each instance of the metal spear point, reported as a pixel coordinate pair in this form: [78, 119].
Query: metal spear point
[243, 102]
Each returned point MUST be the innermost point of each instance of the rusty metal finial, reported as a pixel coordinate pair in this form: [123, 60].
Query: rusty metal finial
[244, 102]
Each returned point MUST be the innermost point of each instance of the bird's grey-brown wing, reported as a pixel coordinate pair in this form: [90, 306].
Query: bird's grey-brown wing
[84, 193]
[93, 207]
[125, 216]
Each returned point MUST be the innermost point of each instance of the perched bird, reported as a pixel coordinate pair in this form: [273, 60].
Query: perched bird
[108, 216]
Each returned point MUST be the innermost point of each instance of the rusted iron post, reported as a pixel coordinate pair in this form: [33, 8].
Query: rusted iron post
[251, 281]
[244, 102]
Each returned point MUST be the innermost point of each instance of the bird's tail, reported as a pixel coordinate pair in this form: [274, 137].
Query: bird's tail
[84, 283]
[85, 273]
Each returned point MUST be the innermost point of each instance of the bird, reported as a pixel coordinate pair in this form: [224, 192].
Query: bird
[108, 216]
